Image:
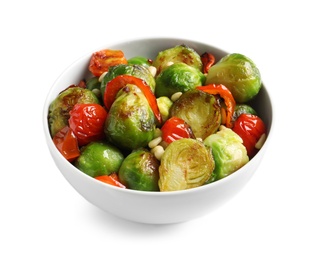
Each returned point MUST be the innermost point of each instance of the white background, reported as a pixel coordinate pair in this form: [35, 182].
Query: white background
[43, 217]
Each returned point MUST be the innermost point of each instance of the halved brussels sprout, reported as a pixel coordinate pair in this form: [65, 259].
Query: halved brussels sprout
[200, 110]
[228, 152]
[239, 74]
[178, 77]
[64, 102]
[130, 123]
[179, 53]
[99, 158]
[139, 171]
[138, 71]
[186, 163]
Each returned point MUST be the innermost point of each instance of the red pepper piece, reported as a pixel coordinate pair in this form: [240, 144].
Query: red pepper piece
[208, 60]
[111, 179]
[67, 143]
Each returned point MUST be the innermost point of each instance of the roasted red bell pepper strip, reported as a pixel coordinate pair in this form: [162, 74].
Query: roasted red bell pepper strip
[67, 143]
[208, 60]
[250, 128]
[225, 93]
[121, 81]
[111, 179]
[174, 129]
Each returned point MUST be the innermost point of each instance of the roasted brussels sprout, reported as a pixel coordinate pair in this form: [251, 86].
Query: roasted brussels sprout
[239, 74]
[130, 123]
[186, 163]
[64, 102]
[178, 77]
[228, 151]
[243, 109]
[138, 71]
[139, 171]
[179, 53]
[99, 158]
[202, 111]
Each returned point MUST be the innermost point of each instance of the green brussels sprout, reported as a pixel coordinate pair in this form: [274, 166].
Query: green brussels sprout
[178, 77]
[139, 171]
[179, 53]
[239, 74]
[164, 104]
[138, 60]
[130, 122]
[186, 163]
[228, 152]
[202, 111]
[64, 102]
[99, 158]
[243, 109]
[138, 71]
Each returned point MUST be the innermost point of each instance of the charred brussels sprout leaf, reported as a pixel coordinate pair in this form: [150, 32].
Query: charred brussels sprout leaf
[186, 163]
[200, 110]
[228, 151]
[138, 71]
[178, 77]
[64, 102]
[139, 171]
[239, 74]
[179, 53]
[98, 158]
[130, 122]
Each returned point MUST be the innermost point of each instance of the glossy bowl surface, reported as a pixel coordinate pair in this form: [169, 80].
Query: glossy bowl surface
[154, 207]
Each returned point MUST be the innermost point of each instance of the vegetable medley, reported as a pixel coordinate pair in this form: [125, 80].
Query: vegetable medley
[172, 122]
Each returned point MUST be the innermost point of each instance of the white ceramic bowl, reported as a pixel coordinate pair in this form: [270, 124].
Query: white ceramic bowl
[154, 207]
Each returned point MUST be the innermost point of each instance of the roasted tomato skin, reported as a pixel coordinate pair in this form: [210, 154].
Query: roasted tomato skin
[176, 128]
[103, 59]
[87, 122]
[250, 128]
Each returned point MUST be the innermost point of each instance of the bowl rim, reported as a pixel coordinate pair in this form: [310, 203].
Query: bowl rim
[53, 150]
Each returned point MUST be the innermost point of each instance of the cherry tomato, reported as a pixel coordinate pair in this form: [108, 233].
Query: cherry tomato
[67, 143]
[111, 179]
[176, 128]
[250, 128]
[87, 122]
[103, 59]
